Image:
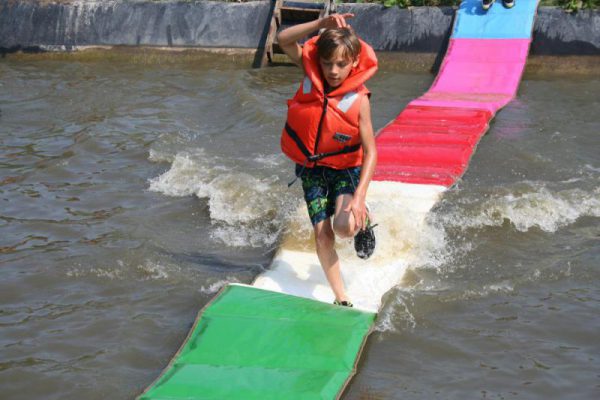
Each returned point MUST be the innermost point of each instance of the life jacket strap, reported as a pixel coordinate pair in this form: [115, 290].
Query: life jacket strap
[314, 157]
[317, 157]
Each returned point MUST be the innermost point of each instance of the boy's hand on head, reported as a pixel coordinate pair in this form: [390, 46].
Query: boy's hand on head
[335, 21]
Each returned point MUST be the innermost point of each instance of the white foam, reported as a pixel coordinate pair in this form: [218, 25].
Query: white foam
[240, 197]
[392, 314]
[182, 179]
[244, 210]
[270, 160]
[406, 238]
[237, 236]
[400, 209]
[591, 168]
[216, 286]
[535, 206]
[151, 270]
[160, 156]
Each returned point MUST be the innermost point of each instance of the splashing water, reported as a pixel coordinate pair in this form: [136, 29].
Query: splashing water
[244, 210]
[528, 205]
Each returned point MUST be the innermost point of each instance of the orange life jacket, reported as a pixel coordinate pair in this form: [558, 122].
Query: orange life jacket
[323, 129]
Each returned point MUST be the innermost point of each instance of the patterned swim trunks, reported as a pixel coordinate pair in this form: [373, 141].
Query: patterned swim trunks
[322, 185]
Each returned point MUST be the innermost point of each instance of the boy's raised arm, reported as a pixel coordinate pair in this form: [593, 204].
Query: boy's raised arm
[288, 38]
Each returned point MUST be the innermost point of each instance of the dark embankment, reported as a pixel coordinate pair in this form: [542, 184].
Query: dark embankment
[30, 24]
[420, 34]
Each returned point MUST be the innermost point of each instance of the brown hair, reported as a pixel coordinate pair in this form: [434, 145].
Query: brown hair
[338, 38]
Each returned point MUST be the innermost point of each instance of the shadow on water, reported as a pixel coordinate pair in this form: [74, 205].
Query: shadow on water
[252, 262]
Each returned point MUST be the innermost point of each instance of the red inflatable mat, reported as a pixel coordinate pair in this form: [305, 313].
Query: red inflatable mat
[429, 145]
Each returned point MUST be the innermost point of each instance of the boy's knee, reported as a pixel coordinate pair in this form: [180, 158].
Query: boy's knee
[324, 238]
[343, 229]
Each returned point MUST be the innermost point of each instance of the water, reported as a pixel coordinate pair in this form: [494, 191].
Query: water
[131, 193]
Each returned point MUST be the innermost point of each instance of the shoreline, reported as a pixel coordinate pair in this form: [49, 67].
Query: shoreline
[580, 65]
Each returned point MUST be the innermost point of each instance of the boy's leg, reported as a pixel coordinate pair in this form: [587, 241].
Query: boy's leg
[344, 186]
[320, 210]
[344, 223]
[325, 241]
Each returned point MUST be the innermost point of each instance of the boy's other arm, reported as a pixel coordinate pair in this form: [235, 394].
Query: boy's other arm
[288, 38]
[357, 205]
[369, 148]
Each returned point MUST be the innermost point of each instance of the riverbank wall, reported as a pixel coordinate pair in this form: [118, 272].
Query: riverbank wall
[42, 25]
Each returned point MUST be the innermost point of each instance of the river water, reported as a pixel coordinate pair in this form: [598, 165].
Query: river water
[130, 193]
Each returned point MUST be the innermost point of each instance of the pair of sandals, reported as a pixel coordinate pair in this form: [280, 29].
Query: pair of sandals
[486, 4]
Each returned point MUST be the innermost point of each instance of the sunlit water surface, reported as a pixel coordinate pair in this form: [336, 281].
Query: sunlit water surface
[131, 193]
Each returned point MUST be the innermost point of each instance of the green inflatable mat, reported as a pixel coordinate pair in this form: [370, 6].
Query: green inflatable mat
[250, 343]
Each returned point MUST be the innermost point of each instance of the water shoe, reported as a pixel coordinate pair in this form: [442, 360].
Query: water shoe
[364, 241]
[345, 303]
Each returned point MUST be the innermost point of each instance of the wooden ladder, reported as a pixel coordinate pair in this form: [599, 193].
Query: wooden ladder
[283, 15]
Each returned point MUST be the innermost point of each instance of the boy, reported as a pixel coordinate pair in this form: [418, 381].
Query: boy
[328, 134]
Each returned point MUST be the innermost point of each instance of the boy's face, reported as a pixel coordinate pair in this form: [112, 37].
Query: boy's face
[337, 68]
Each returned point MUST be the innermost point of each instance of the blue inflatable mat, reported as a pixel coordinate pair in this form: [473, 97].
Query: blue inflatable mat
[499, 22]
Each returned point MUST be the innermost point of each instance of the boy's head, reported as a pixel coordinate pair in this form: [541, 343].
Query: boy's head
[338, 51]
